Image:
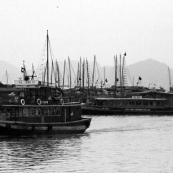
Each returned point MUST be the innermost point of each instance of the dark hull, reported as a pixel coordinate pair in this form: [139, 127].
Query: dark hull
[14, 128]
[90, 110]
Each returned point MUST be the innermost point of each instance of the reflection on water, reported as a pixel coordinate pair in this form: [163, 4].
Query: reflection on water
[111, 144]
[29, 153]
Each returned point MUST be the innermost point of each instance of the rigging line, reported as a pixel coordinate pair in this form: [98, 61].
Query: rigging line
[128, 73]
[40, 64]
[7, 76]
[52, 58]
[51, 52]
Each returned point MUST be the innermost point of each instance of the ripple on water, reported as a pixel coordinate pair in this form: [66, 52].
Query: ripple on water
[111, 144]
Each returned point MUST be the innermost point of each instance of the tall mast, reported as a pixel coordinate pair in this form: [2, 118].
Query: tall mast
[93, 70]
[120, 72]
[80, 72]
[169, 79]
[52, 73]
[69, 71]
[104, 78]
[115, 59]
[7, 76]
[83, 74]
[64, 73]
[58, 71]
[78, 75]
[47, 59]
[87, 68]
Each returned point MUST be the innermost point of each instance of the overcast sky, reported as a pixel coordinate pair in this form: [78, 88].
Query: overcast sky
[141, 28]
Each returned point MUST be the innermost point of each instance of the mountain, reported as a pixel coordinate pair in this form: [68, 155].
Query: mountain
[152, 72]
[7, 69]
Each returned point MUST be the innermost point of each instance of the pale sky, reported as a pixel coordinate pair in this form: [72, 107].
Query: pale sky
[141, 28]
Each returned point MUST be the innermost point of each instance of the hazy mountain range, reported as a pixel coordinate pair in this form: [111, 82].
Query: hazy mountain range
[152, 72]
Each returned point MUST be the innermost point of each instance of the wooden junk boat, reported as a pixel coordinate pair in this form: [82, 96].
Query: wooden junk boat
[142, 103]
[35, 108]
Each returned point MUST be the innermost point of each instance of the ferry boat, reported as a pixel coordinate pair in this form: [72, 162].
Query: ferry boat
[34, 107]
[136, 105]
[31, 110]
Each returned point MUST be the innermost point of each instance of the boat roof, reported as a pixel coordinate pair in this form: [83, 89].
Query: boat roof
[42, 106]
[130, 99]
[150, 92]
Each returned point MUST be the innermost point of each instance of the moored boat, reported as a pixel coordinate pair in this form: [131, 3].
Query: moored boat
[128, 106]
[42, 119]
[35, 107]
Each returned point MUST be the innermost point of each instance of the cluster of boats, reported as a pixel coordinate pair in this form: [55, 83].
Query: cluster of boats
[32, 106]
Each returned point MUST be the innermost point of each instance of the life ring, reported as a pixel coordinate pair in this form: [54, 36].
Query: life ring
[38, 101]
[62, 101]
[22, 101]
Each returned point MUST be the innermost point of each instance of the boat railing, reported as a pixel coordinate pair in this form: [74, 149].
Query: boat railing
[60, 101]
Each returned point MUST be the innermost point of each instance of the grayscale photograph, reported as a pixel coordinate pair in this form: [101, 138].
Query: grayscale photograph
[86, 86]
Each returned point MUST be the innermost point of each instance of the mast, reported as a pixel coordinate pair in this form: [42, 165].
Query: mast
[58, 71]
[52, 73]
[120, 73]
[83, 74]
[93, 70]
[47, 59]
[69, 71]
[7, 76]
[64, 73]
[80, 76]
[104, 78]
[115, 59]
[169, 79]
[88, 78]
[87, 68]
[124, 72]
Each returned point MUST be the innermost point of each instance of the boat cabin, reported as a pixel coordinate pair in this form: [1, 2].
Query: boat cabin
[33, 92]
[129, 102]
[40, 113]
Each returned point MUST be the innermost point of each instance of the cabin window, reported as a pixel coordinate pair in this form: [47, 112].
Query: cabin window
[38, 112]
[21, 94]
[51, 111]
[125, 103]
[17, 112]
[13, 113]
[46, 111]
[158, 103]
[145, 103]
[138, 103]
[114, 103]
[32, 112]
[132, 103]
[25, 112]
[119, 103]
[57, 111]
[26, 92]
[151, 103]
[20, 112]
[5, 114]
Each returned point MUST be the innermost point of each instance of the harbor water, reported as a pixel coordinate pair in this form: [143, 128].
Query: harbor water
[125, 144]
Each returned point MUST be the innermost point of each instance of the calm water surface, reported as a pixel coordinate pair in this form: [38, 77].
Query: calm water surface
[111, 144]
